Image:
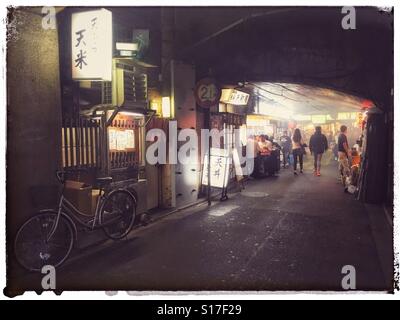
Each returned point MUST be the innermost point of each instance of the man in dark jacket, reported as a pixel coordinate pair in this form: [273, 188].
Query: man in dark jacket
[318, 145]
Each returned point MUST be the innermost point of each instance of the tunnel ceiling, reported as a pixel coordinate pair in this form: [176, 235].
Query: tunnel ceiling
[303, 46]
[307, 100]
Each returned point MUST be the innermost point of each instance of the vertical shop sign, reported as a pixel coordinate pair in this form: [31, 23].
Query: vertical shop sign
[91, 42]
[219, 168]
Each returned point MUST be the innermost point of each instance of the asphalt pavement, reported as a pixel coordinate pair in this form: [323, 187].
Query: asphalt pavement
[280, 233]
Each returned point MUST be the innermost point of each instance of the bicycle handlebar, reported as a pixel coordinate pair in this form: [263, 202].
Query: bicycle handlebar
[60, 174]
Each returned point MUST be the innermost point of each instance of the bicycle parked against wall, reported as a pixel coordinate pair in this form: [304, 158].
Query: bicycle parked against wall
[48, 237]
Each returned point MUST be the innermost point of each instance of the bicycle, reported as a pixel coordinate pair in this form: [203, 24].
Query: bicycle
[48, 237]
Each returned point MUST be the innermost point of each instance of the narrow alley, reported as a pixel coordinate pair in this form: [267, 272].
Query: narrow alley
[287, 232]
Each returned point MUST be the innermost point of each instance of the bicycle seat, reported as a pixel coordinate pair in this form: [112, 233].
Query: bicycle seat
[102, 181]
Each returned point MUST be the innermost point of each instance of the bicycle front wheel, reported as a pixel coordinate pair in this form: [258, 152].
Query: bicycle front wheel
[118, 213]
[33, 247]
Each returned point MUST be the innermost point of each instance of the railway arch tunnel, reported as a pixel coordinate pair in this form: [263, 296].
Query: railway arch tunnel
[303, 61]
[299, 66]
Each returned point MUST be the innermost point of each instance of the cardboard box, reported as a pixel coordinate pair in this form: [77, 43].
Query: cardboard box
[80, 195]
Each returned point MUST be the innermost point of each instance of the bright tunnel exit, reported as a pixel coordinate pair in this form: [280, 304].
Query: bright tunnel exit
[299, 102]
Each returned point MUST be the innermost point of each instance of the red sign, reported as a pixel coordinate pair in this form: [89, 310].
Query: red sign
[207, 93]
[366, 104]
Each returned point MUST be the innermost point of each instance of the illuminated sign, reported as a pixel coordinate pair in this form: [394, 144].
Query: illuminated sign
[91, 41]
[257, 121]
[235, 97]
[219, 168]
[302, 117]
[166, 107]
[347, 116]
[121, 140]
[318, 119]
[126, 49]
[154, 105]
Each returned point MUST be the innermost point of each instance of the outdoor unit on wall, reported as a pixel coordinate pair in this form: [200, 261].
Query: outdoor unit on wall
[129, 85]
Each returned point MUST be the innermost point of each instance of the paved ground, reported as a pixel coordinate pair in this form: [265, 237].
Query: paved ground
[284, 233]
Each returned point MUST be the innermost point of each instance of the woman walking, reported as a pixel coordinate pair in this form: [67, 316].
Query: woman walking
[297, 150]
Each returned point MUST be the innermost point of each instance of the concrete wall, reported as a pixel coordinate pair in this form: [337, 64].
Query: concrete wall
[187, 176]
[33, 114]
[168, 190]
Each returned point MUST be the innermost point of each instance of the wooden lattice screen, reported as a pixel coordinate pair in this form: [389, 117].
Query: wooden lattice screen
[81, 143]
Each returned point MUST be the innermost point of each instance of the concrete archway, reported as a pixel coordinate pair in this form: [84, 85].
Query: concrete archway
[304, 46]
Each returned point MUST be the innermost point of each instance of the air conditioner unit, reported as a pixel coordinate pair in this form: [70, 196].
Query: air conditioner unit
[129, 85]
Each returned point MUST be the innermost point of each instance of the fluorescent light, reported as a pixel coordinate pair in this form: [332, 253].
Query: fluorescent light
[129, 113]
[166, 107]
[126, 46]
[155, 106]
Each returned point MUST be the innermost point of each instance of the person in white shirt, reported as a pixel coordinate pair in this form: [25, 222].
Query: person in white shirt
[265, 145]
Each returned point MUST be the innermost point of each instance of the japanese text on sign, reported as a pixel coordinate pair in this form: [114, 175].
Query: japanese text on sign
[235, 97]
[219, 168]
[91, 42]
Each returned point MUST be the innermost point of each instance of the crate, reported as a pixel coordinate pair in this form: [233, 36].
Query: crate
[80, 195]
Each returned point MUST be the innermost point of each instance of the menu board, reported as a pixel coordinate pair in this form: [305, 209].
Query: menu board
[112, 141]
[219, 166]
[130, 140]
[121, 140]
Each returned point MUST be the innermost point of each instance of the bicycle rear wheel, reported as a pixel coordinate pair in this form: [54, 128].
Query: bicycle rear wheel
[32, 247]
[118, 214]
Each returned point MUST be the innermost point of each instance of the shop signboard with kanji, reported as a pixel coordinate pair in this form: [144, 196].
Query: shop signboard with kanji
[219, 168]
[91, 42]
[235, 97]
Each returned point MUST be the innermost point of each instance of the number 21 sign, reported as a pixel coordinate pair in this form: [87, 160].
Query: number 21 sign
[207, 93]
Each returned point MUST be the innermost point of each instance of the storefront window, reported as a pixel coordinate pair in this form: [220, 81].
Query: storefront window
[124, 141]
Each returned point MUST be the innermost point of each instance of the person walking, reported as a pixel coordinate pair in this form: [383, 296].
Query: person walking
[344, 153]
[297, 150]
[286, 145]
[318, 145]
